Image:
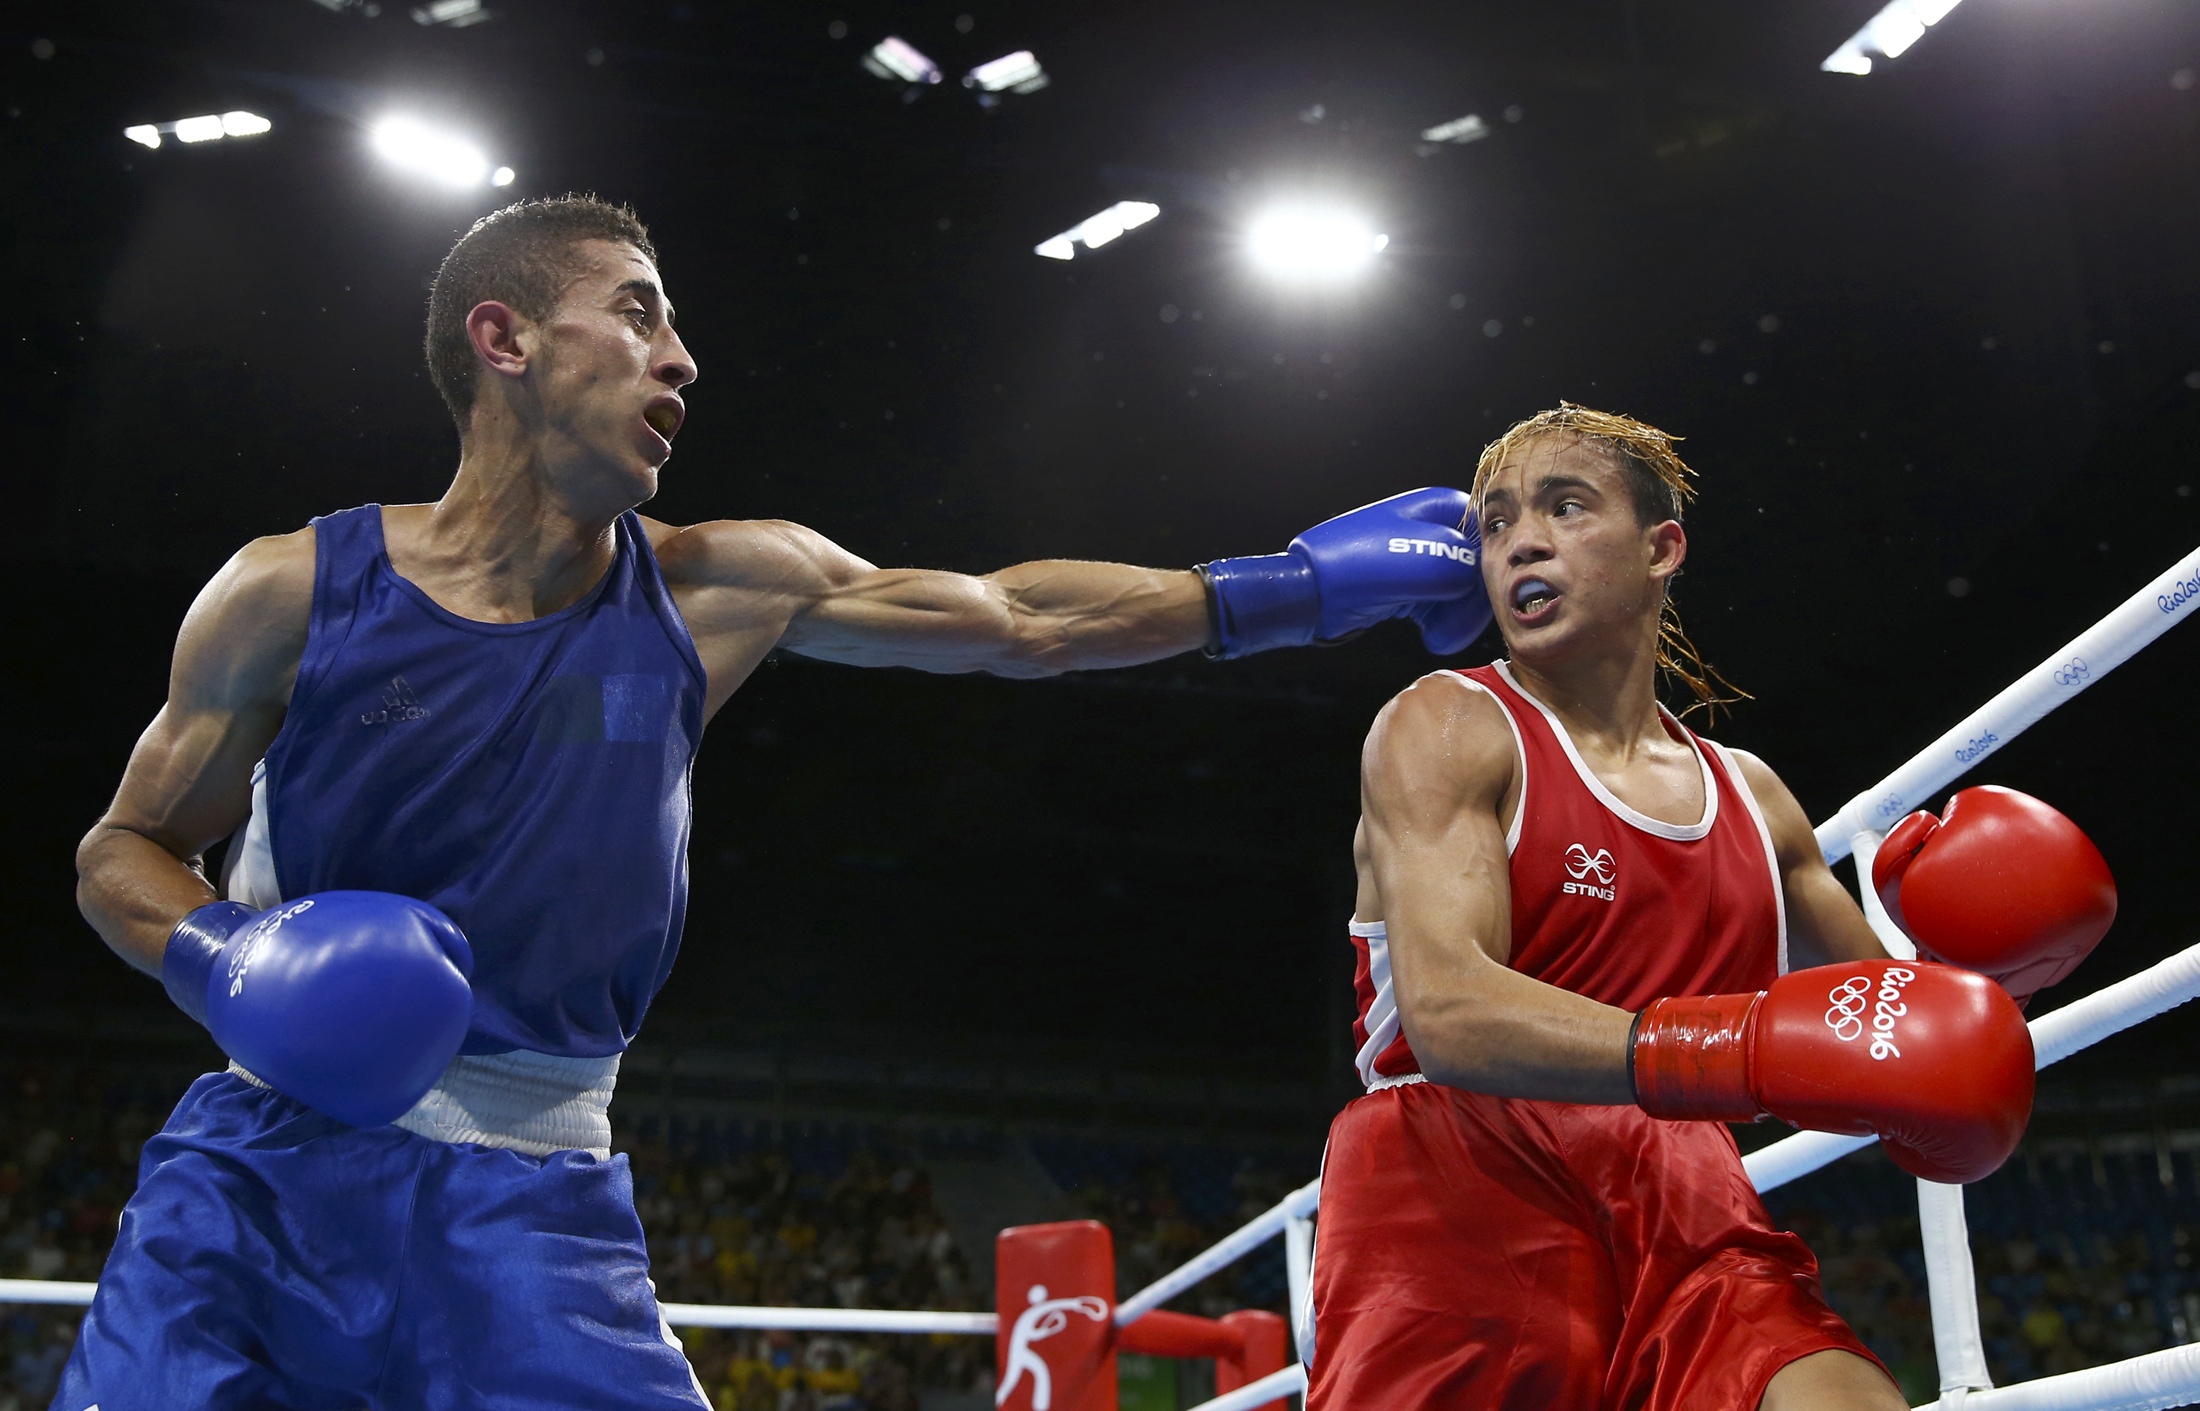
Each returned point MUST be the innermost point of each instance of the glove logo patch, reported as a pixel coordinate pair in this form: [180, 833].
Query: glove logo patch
[1582, 865]
[1853, 999]
[267, 926]
[1460, 553]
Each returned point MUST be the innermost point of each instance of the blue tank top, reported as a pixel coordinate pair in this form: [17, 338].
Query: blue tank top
[529, 778]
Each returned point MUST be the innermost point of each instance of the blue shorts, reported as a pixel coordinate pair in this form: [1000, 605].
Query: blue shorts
[274, 1257]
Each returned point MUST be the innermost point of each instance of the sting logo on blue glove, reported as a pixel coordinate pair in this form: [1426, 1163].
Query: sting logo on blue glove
[1414, 556]
[1464, 553]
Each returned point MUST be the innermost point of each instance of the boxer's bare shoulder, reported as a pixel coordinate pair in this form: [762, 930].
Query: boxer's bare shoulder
[761, 562]
[1440, 758]
[243, 637]
[1440, 743]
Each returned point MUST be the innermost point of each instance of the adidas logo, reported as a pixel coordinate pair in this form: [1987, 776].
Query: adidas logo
[398, 703]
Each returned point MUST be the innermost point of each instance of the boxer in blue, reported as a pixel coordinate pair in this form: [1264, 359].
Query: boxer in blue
[450, 746]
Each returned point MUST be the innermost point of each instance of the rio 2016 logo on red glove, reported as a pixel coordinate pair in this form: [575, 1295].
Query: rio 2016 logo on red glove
[1853, 996]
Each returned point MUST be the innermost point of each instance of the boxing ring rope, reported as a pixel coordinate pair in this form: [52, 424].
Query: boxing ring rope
[828, 1320]
[2089, 656]
[2145, 1383]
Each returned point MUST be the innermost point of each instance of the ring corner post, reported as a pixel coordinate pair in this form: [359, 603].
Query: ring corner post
[1054, 1285]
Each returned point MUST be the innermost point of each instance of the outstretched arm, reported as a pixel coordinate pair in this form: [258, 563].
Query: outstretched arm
[1433, 779]
[1824, 923]
[189, 781]
[747, 587]
[1035, 619]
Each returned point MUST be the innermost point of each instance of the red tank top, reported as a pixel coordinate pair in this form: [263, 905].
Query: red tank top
[1607, 902]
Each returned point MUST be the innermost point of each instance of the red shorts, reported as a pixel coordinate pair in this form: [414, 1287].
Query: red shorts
[1480, 1252]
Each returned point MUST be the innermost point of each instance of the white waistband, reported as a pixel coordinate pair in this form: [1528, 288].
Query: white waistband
[535, 1103]
[1395, 1080]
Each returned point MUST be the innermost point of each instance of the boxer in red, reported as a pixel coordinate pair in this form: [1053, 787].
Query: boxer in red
[1587, 937]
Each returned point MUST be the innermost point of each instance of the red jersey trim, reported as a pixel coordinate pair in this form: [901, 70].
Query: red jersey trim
[1764, 836]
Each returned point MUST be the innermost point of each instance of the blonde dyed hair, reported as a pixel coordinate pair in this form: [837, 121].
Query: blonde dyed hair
[1659, 482]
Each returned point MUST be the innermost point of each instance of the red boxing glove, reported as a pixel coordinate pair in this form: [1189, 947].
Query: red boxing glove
[2001, 884]
[1935, 1061]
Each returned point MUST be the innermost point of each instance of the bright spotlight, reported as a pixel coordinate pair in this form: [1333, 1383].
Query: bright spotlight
[206, 129]
[1303, 243]
[441, 157]
[1888, 35]
[1094, 231]
[897, 58]
[145, 135]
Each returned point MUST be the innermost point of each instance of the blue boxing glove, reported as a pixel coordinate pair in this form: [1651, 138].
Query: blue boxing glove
[1415, 555]
[351, 1002]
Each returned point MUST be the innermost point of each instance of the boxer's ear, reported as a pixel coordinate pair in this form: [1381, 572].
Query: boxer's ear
[497, 330]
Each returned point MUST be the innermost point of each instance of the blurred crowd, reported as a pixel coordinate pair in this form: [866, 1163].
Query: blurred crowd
[833, 1224]
[734, 1214]
[2082, 1258]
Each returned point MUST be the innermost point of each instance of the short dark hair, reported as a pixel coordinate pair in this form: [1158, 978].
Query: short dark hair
[521, 255]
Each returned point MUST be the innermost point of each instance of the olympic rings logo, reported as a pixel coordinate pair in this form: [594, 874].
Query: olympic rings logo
[1846, 1016]
[2073, 672]
[1852, 998]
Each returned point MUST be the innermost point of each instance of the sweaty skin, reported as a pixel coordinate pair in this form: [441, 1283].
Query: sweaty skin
[1439, 785]
[572, 424]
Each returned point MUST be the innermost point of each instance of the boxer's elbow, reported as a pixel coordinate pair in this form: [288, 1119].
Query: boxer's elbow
[1456, 1034]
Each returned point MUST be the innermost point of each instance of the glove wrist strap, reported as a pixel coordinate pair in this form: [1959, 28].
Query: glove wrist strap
[1262, 602]
[1691, 1058]
[188, 963]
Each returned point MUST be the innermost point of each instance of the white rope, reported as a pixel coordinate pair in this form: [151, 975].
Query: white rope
[685, 1315]
[2092, 654]
[1958, 1345]
[1865, 847]
[1298, 1278]
[45, 1291]
[828, 1320]
[1221, 1254]
[1273, 1387]
[2147, 1383]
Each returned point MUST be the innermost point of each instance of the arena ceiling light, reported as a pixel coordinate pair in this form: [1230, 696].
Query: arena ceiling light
[1011, 73]
[1312, 243]
[1094, 231]
[895, 58]
[1470, 128]
[442, 157]
[451, 14]
[210, 128]
[1889, 34]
